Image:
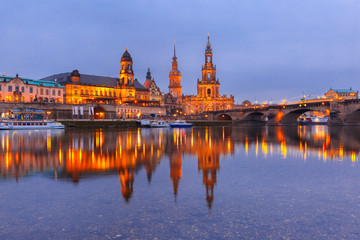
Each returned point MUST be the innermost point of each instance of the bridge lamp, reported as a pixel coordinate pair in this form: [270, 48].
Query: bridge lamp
[305, 105]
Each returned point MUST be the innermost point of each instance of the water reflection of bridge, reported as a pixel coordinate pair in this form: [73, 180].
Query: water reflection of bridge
[72, 155]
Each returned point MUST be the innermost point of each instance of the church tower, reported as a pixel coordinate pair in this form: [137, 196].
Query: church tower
[175, 79]
[126, 75]
[209, 85]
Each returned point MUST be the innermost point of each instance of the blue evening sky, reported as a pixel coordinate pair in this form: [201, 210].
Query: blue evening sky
[262, 49]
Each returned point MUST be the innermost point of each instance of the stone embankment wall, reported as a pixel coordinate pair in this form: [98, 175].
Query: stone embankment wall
[64, 111]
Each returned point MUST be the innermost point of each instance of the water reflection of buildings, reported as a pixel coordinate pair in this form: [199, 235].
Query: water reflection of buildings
[77, 154]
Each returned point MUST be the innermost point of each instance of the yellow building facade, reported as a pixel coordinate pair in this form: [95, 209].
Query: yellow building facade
[84, 88]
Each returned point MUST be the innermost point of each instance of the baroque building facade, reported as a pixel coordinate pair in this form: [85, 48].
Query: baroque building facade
[208, 97]
[154, 91]
[17, 90]
[84, 88]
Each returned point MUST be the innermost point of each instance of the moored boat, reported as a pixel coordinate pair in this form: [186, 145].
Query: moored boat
[313, 120]
[180, 124]
[158, 124]
[27, 118]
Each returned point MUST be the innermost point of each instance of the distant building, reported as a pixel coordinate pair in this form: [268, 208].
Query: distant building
[16, 89]
[342, 94]
[154, 91]
[208, 97]
[84, 88]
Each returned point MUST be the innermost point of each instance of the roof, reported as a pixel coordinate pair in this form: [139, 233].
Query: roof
[64, 78]
[29, 81]
[343, 90]
[147, 83]
[139, 86]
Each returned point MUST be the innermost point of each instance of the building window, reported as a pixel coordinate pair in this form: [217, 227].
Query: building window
[31, 90]
[47, 91]
[22, 89]
[209, 92]
[82, 92]
[53, 92]
[75, 92]
[16, 89]
[0, 87]
[110, 94]
[41, 91]
[59, 92]
[9, 88]
[87, 92]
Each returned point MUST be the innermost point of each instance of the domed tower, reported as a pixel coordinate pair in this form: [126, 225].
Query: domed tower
[126, 75]
[175, 79]
[75, 76]
[209, 85]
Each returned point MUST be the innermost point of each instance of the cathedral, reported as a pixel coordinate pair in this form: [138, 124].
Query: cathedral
[208, 97]
[173, 99]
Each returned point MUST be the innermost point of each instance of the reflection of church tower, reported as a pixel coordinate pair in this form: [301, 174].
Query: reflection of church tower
[127, 181]
[175, 80]
[209, 163]
[126, 75]
[208, 86]
[175, 170]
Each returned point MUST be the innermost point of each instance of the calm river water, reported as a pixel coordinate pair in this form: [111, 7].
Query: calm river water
[199, 183]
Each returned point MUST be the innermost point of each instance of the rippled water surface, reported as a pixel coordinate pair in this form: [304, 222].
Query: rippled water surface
[201, 183]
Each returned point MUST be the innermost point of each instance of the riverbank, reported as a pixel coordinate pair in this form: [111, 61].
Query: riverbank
[116, 123]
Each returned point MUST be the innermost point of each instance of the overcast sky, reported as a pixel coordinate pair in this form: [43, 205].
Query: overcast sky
[263, 50]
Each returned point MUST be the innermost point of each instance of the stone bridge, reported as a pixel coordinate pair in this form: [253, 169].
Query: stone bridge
[340, 112]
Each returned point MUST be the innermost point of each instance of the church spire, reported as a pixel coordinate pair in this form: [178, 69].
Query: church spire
[174, 58]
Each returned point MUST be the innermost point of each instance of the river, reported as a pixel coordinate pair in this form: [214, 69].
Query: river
[299, 182]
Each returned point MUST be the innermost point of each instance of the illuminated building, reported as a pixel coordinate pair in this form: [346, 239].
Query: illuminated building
[15, 90]
[208, 97]
[83, 88]
[173, 99]
[342, 94]
[154, 91]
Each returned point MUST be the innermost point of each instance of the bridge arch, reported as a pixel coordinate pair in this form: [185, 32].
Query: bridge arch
[291, 118]
[352, 118]
[222, 117]
[255, 117]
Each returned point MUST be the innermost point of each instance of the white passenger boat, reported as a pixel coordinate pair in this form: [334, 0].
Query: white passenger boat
[180, 124]
[18, 125]
[27, 118]
[313, 120]
[159, 124]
